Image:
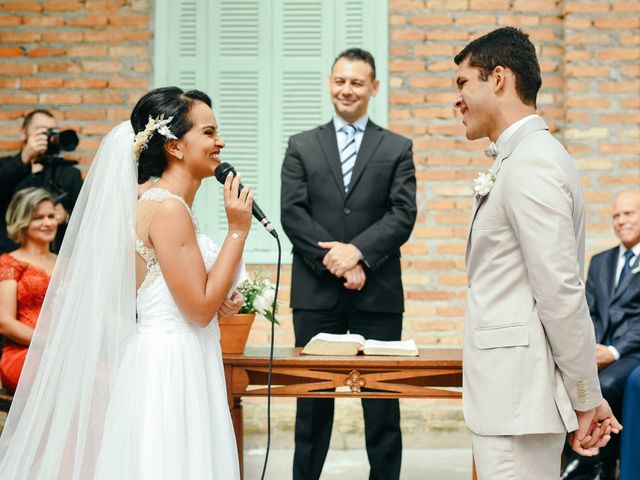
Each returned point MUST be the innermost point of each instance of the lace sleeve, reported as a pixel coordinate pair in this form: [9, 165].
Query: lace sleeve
[10, 269]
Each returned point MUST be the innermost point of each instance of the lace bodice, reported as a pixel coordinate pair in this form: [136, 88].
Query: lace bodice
[147, 253]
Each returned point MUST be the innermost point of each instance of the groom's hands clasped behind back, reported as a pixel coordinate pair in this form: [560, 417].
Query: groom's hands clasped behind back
[594, 431]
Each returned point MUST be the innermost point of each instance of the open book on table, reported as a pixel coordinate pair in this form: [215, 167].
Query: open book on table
[352, 344]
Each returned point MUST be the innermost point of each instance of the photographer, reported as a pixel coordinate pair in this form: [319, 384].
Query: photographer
[39, 164]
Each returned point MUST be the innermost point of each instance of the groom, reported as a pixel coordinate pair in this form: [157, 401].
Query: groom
[529, 352]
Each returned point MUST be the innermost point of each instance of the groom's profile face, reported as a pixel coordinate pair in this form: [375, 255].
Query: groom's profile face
[476, 101]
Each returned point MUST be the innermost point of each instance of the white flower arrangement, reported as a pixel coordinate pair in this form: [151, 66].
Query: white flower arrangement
[483, 182]
[259, 294]
[159, 124]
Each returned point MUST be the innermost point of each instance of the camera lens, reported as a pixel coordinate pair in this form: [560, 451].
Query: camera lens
[66, 140]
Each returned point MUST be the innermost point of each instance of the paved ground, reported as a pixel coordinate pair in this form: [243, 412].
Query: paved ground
[424, 464]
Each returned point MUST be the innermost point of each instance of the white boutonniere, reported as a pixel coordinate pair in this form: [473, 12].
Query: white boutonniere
[483, 182]
[636, 270]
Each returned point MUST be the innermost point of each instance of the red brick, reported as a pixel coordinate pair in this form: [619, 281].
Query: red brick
[406, 66]
[407, 34]
[397, 20]
[10, 83]
[20, 37]
[87, 21]
[609, 23]
[85, 83]
[489, 4]
[142, 67]
[88, 51]
[130, 20]
[447, 5]
[104, 5]
[86, 114]
[626, 6]
[102, 66]
[617, 54]
[449, 34]
[61, 98]
[573, 22]
[44, 20]
[587, 71]
[18, 98]
[8, 114]
[630, 70]
[129, 51]
[590, 39]
[10, 20]
[536, 6]
[11, 51]
[59, 67]
[581, 6]
[40, 83]
[129, 82]
[475, 20]
[519, 20]
[632, 86]
[432, 82]
[61, 6]
[21, 7]
[432, 19]
[17, 69]
[66, 36]
[108, 98]
[445, 113]
[45, 52]
[10, 145]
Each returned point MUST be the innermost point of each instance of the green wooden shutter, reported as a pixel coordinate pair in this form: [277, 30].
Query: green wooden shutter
[265, 64]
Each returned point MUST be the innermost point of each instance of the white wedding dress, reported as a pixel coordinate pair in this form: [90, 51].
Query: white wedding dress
[168, 417]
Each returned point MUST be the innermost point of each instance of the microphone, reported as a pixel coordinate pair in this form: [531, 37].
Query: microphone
[221, 173]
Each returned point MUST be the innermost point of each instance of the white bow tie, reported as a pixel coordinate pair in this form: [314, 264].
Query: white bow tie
[492, 151]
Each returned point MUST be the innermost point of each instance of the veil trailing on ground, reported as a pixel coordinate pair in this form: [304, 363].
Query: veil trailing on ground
[55, 425]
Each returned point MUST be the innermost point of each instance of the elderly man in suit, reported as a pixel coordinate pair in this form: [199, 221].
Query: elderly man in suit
[613, 295]
[529, 354]
[348, 204]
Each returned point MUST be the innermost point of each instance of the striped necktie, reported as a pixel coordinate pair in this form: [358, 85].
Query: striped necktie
[348, 154]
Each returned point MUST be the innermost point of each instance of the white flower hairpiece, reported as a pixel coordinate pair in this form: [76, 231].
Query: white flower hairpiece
[483, 182]
[159, 124]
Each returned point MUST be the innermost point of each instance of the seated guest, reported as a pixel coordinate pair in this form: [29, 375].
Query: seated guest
[24, 276]
[629, 458]
[613, 295]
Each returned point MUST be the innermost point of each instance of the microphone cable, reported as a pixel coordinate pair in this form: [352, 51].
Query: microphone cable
[270, 367]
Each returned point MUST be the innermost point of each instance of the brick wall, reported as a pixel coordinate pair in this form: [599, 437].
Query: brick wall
[87, 61]
[90, 61]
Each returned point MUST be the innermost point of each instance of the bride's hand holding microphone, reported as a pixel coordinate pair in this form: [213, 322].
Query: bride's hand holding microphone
[238, 205]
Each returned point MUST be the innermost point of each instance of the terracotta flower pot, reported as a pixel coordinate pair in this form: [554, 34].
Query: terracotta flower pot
[234, 332]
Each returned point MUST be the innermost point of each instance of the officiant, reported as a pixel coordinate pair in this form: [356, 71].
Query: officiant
[348, 203]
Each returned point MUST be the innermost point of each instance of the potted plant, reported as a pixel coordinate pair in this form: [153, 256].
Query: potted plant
[259, 294]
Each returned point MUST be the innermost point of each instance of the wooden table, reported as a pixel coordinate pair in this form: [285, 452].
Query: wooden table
[430, 375]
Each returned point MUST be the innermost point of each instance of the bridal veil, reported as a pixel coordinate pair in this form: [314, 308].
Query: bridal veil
[55, 425]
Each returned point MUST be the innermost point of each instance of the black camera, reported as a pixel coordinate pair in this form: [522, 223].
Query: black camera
[57, 141]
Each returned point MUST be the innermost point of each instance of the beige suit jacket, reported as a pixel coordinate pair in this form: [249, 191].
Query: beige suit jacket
[529, 345]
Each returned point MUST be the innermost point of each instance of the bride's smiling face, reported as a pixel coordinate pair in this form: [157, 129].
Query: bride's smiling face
[202, 144]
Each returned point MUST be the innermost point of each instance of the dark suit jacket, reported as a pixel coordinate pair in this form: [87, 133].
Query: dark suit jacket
[615, 314]
[376, 215]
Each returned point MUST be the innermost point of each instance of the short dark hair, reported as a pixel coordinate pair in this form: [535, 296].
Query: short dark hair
[508, 47]
[170, 102]
[352, 54]
[27, 119]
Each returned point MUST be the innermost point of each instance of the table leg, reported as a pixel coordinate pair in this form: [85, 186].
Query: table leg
[238, 428]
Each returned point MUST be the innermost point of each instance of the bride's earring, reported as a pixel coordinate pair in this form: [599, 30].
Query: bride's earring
[179, 155]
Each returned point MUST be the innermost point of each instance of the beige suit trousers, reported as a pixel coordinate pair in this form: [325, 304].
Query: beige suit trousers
[518, 457]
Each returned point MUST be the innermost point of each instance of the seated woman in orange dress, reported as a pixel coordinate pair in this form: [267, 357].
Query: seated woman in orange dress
[24, 276]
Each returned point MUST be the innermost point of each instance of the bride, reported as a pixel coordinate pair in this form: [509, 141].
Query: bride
[124, 377]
